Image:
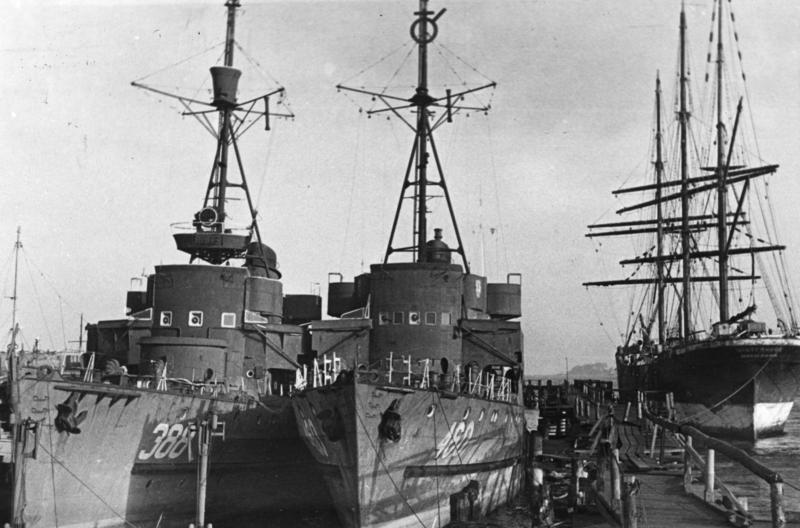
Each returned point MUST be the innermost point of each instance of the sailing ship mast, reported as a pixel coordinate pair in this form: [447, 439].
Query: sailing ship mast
[722, 221]
[417, 178]
[722, 191]
[683, 121]
[659, 165]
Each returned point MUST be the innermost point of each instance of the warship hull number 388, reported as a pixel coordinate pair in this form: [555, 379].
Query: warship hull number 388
[182, 411]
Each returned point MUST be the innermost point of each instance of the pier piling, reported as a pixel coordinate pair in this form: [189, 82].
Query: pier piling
[629, 506]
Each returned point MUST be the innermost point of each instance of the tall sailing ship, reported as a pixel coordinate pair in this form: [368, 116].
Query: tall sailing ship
[181, 411]
[702, 247]
[412, 392]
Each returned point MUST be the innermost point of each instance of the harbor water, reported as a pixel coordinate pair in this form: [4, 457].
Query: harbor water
[780, 453]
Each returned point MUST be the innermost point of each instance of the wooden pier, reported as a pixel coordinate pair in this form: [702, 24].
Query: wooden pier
[636, 467]
[651, 489]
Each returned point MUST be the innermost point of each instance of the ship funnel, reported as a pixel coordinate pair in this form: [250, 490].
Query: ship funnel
[225, 80]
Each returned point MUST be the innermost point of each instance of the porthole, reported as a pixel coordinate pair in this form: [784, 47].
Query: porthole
[466, 413]
[494, 417]
[166, 319]
[481, 415]
[195, 318]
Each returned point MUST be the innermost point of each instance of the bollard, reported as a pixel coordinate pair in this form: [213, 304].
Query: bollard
[603, 457]
[671, 406]
[653, 442]
[687, 465]
[710, 477]
[616, 486]
[629, 514]
[537, 476]
[574, 471]
[776, 504]
[538, 444]
[638, 405]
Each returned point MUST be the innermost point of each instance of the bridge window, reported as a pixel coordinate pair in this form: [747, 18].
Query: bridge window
[430, 318]
[384, 318]
[398, 318]
[413, 318]
[445, 320]
[228, 320]
[165, 319]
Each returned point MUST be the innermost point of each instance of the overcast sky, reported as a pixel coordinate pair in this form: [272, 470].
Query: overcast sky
[95, 171]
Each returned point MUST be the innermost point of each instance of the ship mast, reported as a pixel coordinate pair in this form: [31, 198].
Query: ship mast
[683, 118]
[422, 100]
[14, 398]
[722, 188]
[417, 178]
[12, 347]
[659, 219]
[213, 239]
[219, 181]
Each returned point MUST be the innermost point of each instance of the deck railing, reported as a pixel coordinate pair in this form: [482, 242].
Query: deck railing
[412, 374]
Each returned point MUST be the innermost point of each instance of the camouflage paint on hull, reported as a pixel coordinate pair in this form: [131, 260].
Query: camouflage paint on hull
[135, 457]
[446, 441]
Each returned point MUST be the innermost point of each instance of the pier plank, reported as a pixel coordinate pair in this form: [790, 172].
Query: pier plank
[661, 498]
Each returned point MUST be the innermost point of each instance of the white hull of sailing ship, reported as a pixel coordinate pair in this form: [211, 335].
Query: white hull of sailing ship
[103, 455]
[742, 388]
[449, 444]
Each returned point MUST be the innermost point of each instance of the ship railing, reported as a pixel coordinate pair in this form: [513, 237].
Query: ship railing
[222, 227]
[414, 374]
[324, 372]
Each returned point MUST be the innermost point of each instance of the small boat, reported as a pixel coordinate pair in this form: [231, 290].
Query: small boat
[411, 396]
[701, 248]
